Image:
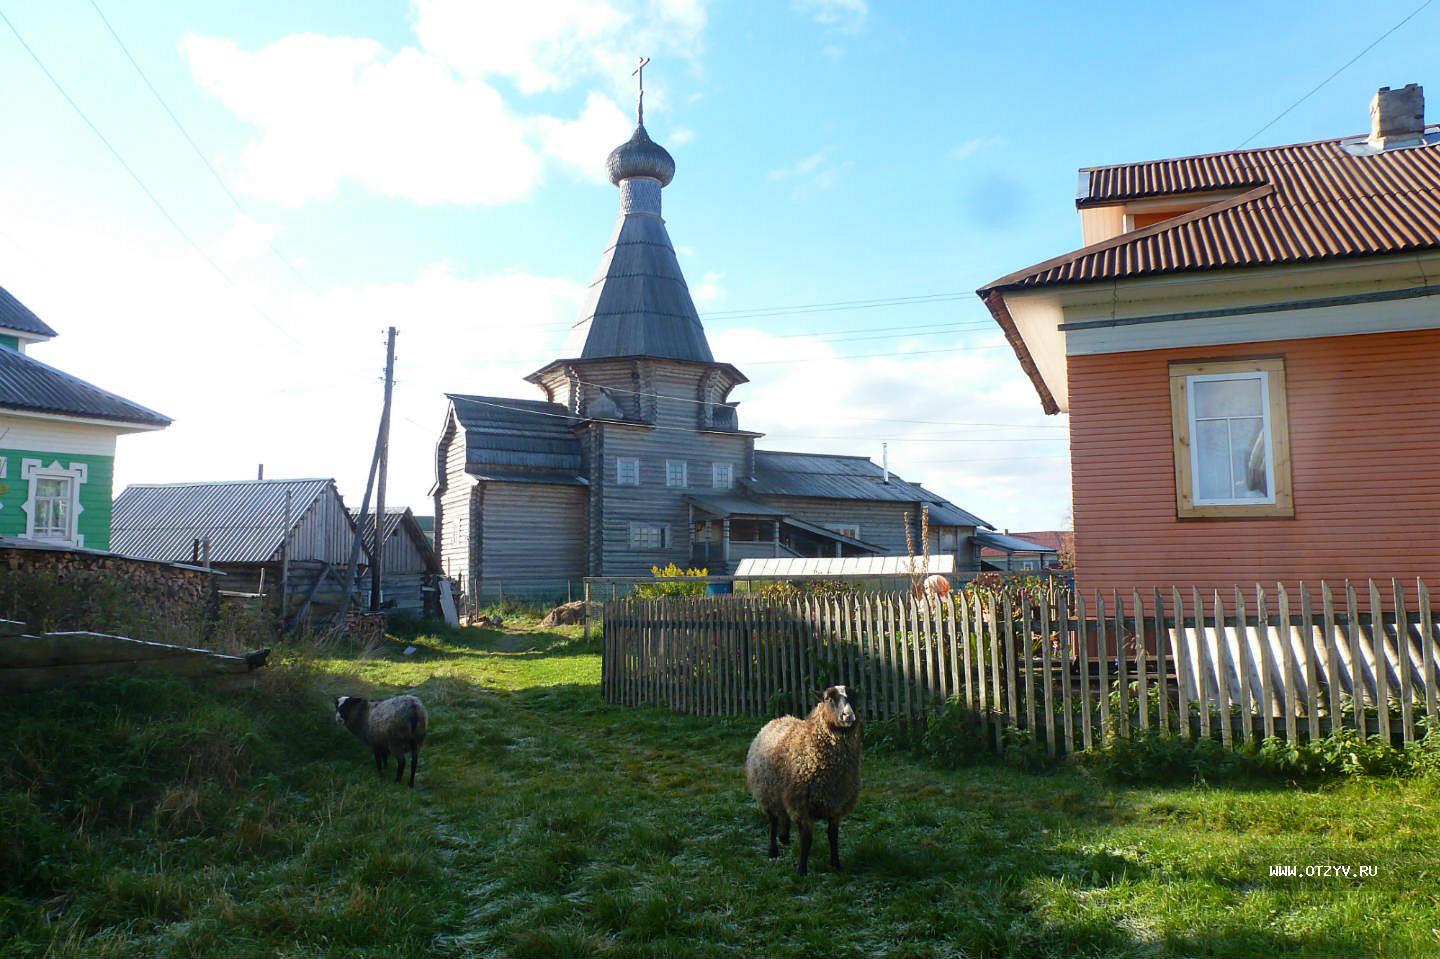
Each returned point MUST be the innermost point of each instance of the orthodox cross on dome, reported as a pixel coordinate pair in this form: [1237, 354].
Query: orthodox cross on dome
[639, 72]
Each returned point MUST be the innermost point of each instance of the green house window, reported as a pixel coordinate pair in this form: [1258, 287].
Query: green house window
[52, 514]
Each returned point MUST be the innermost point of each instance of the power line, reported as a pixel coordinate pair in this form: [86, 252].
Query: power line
[839, 306]
[1345, 66]
[871, 356]
[191, 140]
[138, 181]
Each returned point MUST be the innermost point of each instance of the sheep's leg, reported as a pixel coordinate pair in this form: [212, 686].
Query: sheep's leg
[380, 761]
[774, 846]
[785, 831]
[399, 766]
[807, 836]
[414, 763]
[832, 830]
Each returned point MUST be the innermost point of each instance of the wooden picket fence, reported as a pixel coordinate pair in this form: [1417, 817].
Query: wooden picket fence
[1280, 663]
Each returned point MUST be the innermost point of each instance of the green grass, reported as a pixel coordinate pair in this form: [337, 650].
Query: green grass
[158, 818]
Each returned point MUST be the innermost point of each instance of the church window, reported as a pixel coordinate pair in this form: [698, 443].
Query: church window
[649, 536]
[677, 473]
[722, 476]
[627, 471]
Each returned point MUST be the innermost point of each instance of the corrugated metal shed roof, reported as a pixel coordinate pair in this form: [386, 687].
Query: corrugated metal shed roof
[802, 567]
[15, 315]
[638, 303]
[518, 440]
[244, 520]
[824, 476]
[1009, 544]
[28, 385]
[1304, 202]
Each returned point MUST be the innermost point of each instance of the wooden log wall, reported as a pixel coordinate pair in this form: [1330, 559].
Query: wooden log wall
[1071, 670]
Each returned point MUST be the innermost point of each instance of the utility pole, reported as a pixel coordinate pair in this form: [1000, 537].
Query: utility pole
[352, 569]
[381, 462]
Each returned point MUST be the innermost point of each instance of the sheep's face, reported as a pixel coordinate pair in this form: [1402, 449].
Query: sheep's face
[345, 707]
[838, 705]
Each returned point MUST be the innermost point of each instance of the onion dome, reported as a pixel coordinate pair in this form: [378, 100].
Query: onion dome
[640, 156]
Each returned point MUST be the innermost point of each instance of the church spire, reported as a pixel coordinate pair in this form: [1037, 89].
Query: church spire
[638, 304]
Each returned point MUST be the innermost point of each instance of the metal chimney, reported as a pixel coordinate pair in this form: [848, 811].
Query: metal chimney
[885, 459]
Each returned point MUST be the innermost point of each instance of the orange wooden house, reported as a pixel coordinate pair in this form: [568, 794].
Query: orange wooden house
[1248, 348]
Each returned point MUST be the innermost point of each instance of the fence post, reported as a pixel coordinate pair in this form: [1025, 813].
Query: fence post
[1357, 662]
[1382, 663]
[1102, 654]
[1162, 675]
[1144, 694]
[1427, 654]
[1222, 647]
[1082, 636]
[1049, 687]
[1403, 662]
[1028, 653]
[1247, 693]
[997, 706]
[1182, 667]
[1288, 687]
[1067, 651]
[1121, 666]
[1267, 659]
[1311, 650]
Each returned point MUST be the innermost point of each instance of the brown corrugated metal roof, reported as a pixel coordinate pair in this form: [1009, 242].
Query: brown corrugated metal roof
[1304, 202]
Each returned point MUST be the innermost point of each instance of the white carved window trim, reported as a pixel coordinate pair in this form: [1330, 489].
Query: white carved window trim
[32, 470]
[677, 473]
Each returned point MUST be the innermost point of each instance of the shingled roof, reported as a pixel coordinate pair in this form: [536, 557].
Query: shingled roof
[15, 315]
[29, 386]
[1299, 203]
[525, 441]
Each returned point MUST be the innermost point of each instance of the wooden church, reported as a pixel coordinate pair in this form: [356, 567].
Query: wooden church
[635, 457]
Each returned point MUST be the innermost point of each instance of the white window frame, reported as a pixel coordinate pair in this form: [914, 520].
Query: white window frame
[722, 476]
[34, 470]
[621, 463]
[664, 536]
[684, 466]
[1275, 424]
[1264, 378]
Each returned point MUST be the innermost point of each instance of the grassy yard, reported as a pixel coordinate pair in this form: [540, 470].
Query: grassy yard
[153, 818]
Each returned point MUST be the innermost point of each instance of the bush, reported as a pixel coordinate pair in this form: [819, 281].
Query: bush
[663, 590]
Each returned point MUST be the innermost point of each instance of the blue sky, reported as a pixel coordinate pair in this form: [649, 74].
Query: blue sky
[437, 165]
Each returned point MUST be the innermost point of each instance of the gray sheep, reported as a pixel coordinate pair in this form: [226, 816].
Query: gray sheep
[390, 727]
[801, 770]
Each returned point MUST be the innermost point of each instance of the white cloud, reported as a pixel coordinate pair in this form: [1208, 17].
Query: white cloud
[424, 122]
[709, 290]
[547, 45]
[680, 136]
[800, 168]
[845, 15]
[246, 239]
[974, 145]
[584, 143]
[328, 109]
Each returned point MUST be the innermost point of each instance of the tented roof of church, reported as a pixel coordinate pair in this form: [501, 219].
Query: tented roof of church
[638, 303]
[521, 441]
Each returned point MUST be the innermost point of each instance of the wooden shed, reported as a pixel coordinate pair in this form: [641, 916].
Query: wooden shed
[288, 540]
[409, 566]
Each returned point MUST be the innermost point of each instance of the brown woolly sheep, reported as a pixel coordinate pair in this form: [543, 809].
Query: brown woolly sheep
[390, 727]
[800, 770]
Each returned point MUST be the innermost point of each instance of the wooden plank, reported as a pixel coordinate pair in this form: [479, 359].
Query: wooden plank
[1427, 655]
[1062, 626]
[1182, 666]
[967, 627]
[982, 697]
[893, 625]
[916, 688]
[1288, 686]
[1028, 659]
[1333, 681]
[1203, 672]
[1267, 662]
[1121, 667]
[1222, 686]
[1140, 671]
[1357, 665]
[934, 629]
[1162, 673]
[996, 686]
[1049, 675]
[1102, 656]
[1310, 647]
[1403, 662]
[1380, 642]
[1245, 669]
[869, 677]
[1082, 644]
[952, 615]
[1012, 703]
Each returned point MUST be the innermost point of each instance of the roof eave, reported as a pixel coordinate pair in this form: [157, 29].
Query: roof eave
[994, 301]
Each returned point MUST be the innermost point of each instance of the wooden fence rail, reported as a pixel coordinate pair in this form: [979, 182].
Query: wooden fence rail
[1070, 671]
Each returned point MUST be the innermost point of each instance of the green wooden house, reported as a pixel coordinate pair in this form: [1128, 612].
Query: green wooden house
[57, 440]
